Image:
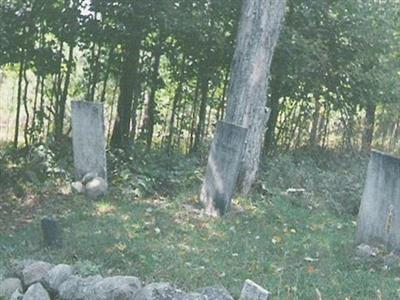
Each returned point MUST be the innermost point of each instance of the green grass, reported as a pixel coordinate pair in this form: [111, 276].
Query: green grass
[290, 246]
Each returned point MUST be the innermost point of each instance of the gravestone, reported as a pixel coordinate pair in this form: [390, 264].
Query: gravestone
[223, 168]
[252, 291]
[52, 234]
[379, 215]
[88, 139]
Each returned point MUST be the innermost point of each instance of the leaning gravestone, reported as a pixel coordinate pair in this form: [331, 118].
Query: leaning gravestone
[88, 139]
[379, 215]
[223, 168]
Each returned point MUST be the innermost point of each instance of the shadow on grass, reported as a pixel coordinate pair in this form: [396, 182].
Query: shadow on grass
[291, 250]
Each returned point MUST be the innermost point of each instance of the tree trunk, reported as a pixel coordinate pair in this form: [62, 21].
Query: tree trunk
[19, 96]
[369, 126]
[221, 105]
[95, 72]
[34, 111]
[42, 111]
[63, 100]
[151, 108]
[259, 29]
[127, 83]
[177, 99]
[202, 113]
[194, 114]
[270, 138]
[58, 85]
[315, 123]
[175, 103]
[107, 75]
[25, 101]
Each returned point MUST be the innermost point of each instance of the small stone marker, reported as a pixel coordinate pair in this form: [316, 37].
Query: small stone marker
[88, 139]
[52, 234]
[252, 291]
[223, 168]
[379, 215]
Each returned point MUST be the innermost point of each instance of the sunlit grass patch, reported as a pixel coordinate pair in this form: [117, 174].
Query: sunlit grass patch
[282, 242]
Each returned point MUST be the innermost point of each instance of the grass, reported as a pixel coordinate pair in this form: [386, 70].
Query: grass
[291, 246]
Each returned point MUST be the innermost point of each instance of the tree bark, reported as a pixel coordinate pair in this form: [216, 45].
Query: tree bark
[127, 83]
[176, 102]
[25, 101]
[194, 114]
[315, 123]
[95, 72]
[369, 126]
[259, 29]
[63, 100]
[107, 74]
[202, 113]
[270, 138]
[19, 100]
[151, 108]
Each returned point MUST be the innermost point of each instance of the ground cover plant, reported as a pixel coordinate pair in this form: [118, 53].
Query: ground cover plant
[150, 226]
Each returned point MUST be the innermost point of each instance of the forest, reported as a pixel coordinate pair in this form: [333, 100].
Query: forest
[314, 82]
[162, 69]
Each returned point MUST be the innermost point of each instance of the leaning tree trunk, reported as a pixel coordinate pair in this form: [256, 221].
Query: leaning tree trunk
[258, 34]
[235, 152]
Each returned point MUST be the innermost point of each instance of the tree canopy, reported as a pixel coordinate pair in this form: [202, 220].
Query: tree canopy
[162, 69]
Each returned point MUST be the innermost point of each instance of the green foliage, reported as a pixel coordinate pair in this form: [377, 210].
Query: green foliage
[143, 173]
[331, 180]
[334, 58]
[162, 237]
[87, 268]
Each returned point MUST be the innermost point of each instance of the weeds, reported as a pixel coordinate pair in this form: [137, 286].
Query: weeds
[293, 246]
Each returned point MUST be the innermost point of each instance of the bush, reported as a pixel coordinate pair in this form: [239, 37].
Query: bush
[330, 179]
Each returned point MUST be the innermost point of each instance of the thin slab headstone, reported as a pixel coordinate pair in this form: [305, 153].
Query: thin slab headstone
[379, 215]
[252, 291]
[88, 139]
[223, 168]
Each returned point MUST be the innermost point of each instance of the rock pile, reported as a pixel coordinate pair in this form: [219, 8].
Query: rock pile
[92, 185]
[38, 280]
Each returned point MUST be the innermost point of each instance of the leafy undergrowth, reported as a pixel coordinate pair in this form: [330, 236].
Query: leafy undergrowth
[290, 245]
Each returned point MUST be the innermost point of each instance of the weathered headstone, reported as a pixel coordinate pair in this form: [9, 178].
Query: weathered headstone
[223, 168]
[379, 215]
[252, 291]
[88, 139]
[52, 234]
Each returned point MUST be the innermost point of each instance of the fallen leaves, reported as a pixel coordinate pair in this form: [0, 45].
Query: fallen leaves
[276, 239]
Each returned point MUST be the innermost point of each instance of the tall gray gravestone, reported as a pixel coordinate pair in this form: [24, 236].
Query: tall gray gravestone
[88, 139]
[379, 215]
[223, 168]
